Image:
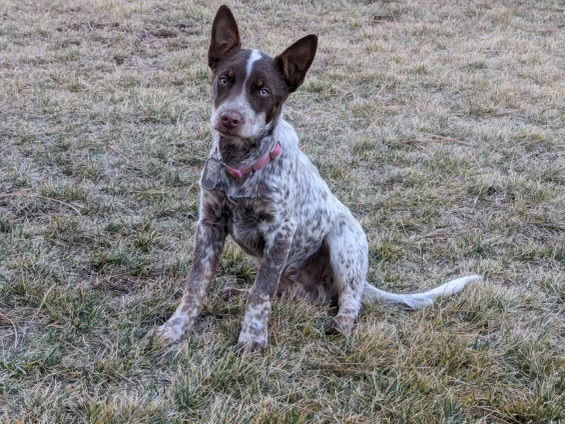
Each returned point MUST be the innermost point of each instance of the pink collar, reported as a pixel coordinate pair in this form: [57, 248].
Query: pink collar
[264, 161]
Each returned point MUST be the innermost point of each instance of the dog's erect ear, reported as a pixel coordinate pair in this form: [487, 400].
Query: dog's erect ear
[295, 61]
[225, 36]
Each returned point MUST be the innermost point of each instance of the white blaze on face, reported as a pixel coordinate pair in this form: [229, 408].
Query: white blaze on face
[253, 57]
[255, 123]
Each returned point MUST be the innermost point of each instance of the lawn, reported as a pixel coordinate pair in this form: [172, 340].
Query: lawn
[440, 124]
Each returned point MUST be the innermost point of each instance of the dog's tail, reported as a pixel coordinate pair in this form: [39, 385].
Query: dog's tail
[418, 300]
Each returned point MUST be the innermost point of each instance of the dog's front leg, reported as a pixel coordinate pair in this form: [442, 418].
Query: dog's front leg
[254, 329]
[208, 245]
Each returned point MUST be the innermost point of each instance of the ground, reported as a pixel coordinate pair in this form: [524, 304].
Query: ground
[440, 124]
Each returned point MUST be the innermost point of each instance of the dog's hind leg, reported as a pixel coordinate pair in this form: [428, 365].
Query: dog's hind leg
[349, 263]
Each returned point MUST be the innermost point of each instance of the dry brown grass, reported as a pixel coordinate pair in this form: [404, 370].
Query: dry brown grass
[440, 124]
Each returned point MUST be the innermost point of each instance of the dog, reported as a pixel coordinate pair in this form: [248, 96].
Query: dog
[258, 187]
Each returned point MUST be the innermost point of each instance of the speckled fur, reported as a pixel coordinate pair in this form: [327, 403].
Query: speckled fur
[284, 213]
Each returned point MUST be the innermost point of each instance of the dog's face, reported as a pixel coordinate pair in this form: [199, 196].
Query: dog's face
[249, 87]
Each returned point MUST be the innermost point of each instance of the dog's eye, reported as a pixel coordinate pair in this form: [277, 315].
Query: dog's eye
[223, 80]
[264, 92]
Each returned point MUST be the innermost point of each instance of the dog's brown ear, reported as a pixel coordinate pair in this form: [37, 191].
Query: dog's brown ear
[225, 36]
[295, 61]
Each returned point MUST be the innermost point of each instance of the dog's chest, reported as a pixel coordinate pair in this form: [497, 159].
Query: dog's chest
[247, 223]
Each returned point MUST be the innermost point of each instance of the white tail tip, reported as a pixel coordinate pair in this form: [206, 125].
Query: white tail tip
[419, 300]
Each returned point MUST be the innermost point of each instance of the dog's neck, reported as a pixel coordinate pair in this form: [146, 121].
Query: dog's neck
[243, 153]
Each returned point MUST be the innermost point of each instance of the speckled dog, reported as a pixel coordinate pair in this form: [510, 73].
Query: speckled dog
[259, 188]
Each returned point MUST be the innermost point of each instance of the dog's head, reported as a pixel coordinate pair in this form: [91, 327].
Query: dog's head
[249, 87]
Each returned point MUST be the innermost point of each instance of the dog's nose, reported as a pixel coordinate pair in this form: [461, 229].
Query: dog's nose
[231, 119]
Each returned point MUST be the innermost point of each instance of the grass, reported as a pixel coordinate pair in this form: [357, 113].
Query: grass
[441, 124]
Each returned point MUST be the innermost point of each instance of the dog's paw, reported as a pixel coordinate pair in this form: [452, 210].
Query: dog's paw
[338, 326]
[251, 348]
[174, 329]
[252, 343]
[168, 334]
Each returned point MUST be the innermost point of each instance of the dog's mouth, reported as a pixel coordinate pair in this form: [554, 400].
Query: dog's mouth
[225, 132]
[233, 137]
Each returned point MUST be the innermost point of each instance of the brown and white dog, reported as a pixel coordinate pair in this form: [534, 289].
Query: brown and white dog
[259, 188]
